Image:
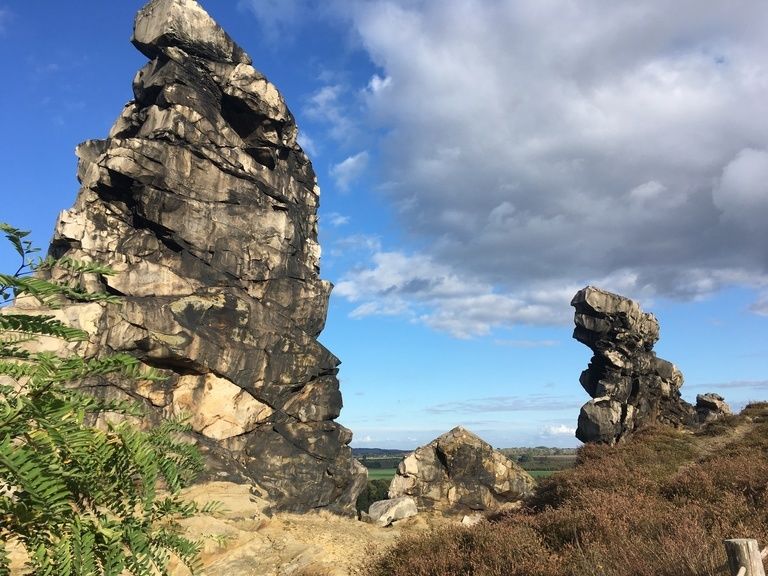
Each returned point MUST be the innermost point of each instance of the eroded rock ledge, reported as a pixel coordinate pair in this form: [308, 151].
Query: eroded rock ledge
[204, 204]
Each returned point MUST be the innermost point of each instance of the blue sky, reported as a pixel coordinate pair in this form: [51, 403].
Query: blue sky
[479, 162]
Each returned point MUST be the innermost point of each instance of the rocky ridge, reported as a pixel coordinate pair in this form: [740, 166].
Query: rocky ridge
[630, 386]
[203, 203]
[460, 472]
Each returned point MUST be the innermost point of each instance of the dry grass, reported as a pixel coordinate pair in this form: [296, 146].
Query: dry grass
[658, 505]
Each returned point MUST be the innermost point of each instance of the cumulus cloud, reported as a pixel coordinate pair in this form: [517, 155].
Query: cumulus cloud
[435, 294]
[534, 145]
[443, 297]
[760, 306]
[348, 170]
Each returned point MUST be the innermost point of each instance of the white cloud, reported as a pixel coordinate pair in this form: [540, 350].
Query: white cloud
[335, 219]
[761, 385]
[326, 105]
[559, 430]
[377, 83]
[435, 294]
[534, 145]
[348, 170]
[307, 144]
[4, 18]
[760, 306]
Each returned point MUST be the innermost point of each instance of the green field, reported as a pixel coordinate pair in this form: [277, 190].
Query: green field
[381, 473]
[540, 473]
[388, 473]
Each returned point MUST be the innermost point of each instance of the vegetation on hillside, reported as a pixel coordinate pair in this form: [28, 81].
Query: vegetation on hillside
[660, 504]
[80, 500]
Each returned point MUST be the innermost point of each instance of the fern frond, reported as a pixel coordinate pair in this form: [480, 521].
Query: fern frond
[76, 266]
[33, 325]
[16, 237]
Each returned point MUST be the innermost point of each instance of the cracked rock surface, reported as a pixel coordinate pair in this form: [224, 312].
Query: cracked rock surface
[206, 207]
[631, 387]
[460, 472]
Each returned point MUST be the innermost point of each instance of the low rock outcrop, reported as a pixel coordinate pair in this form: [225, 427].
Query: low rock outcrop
[459, 472]
[631, 387]
[384, 512]
[710, 407]
[205, 206]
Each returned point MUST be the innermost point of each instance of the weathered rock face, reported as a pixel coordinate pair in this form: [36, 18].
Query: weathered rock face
[205, 206]
[710, 407]
[458, 471]
[629, 385]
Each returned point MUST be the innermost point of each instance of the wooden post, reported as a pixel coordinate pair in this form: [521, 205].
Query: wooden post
[744, 553]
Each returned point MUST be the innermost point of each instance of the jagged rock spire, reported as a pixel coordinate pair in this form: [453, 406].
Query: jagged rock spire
[204, 204]
[631, 387]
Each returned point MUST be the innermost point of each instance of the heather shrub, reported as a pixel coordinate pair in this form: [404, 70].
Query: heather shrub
[507, 549]
[659, 504]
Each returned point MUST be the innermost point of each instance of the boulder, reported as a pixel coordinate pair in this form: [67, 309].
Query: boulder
[631, 387]
[204, 205]
[384, 512]
[710, 407]
[460, 472]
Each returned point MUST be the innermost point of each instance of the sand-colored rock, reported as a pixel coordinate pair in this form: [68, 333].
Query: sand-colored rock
[460, 472]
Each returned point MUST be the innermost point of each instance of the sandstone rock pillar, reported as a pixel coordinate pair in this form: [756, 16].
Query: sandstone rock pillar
[204, 204]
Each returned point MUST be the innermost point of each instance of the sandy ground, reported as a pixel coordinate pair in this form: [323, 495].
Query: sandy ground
[313, 544]
[241, 540]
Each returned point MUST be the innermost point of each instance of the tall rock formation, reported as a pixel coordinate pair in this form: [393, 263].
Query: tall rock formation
[460, 472]
[631, 387]
[204, 204]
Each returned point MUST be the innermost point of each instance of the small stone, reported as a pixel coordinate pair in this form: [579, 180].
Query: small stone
[472, 520]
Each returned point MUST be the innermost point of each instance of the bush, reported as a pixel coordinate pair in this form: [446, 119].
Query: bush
[508, 549]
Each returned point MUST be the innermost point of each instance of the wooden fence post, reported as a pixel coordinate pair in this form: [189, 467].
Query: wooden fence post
[744, 558]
